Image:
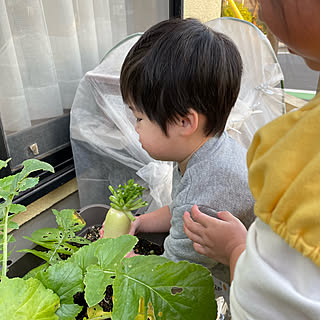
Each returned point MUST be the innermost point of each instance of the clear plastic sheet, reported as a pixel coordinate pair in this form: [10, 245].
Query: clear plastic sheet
[260, 99]
[105, 145]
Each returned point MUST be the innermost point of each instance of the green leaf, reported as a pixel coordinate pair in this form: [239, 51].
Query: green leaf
[85, 256]
[28, 183]
[3, 164]
[11, 238]
[27, 300]
[17, 208]
[7, 186]
[46, 234]
[96, 312]
[32, 165]
[80, 240]
[110, 253]
[176, 290]
[65, 279]
[33, 273]
[64, 248]
[6, 182]
[13, 225]
[69, 219]
[53, 234]
[68, 311]
[96, 281]
[58, 240]
[43, 255]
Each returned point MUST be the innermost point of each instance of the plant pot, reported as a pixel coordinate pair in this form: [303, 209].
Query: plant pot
[96, 213]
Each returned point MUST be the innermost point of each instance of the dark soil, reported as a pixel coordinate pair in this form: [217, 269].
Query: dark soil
[143, 247]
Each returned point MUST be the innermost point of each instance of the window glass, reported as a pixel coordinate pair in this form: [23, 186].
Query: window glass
[45, 49]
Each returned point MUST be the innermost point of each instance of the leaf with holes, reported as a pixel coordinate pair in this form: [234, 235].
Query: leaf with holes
[69, 220]
[55, 246]
[47, 256]
[176, 290]
[57, 240]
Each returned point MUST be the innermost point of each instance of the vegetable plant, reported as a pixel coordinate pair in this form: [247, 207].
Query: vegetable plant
[59, 240]
[143, 286]
[10, 187]
[171, 290]
[124, 200]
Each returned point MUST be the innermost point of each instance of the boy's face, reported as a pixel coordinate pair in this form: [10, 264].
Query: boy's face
[297, 24]
[153, 139]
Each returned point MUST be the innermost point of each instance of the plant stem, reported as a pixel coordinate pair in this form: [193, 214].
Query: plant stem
[5, 239]
[130, 215]
[55, 250]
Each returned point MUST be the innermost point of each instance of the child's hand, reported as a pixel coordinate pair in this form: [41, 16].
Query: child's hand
[217, 239]
[131, 254]
[135, 226]
[101, 232]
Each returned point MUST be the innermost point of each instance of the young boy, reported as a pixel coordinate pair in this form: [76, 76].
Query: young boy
[181, 80]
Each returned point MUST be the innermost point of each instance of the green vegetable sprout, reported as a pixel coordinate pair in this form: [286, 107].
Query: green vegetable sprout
[124, 199]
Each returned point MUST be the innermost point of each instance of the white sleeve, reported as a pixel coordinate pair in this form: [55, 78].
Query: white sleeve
[274, 281]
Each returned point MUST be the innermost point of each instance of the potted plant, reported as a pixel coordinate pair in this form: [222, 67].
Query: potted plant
[143, 286]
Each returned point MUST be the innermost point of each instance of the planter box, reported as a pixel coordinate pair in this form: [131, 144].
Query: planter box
[93, 215]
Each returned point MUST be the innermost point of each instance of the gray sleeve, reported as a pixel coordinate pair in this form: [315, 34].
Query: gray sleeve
[178, 246]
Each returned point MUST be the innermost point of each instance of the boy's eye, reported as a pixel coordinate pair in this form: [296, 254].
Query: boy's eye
[138, 119]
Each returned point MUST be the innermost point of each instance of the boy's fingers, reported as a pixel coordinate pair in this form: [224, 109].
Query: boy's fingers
[226, 216]
[191, 226]
[192, 236]
[200, 217]
[199, 248]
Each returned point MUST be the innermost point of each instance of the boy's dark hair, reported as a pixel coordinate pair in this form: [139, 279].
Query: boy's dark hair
[180, 64]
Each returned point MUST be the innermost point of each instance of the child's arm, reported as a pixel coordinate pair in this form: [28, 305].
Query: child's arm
[222, 240]
[155, 221]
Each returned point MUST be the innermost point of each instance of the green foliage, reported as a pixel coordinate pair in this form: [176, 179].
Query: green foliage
[176, 290]
[154, 278]
[173, 290]
[229, 12]
[65, 280]
[124, 198]
[169, 286]
[10, 187]
[57, 241]
[27, 300]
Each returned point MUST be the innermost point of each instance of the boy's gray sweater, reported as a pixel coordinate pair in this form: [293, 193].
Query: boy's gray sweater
[216, 179]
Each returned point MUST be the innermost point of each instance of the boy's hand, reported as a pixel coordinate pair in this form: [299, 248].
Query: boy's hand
[101, 232]
[217, 239]
[135, 226]
[131, 254]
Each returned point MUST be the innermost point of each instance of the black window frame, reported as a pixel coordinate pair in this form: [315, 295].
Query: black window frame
[58, 153]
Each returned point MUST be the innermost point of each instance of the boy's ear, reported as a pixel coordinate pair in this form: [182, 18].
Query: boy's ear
[189, 123]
